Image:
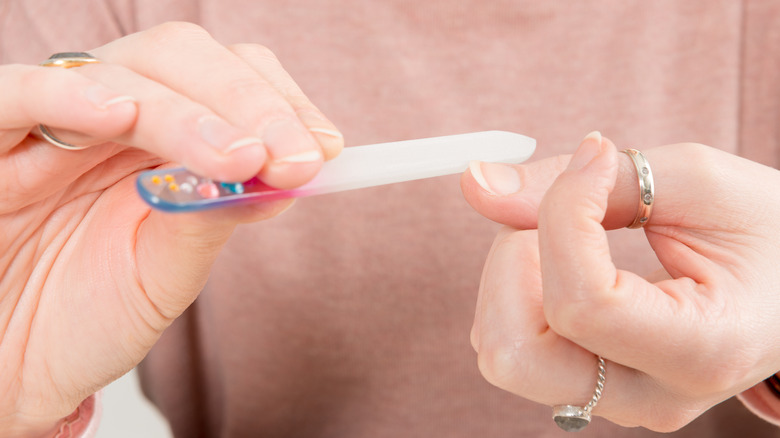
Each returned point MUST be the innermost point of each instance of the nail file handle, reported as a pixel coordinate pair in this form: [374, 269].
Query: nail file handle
[179, 190]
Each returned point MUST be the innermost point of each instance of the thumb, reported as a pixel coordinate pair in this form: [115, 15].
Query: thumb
[610, 312]
[175, 251]
[572, 238]
[510, 194]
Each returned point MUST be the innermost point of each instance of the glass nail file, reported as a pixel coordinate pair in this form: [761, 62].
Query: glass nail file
[179, 190]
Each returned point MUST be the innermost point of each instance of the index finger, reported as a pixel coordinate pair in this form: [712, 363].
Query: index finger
[30, 95]
[195, 65]
[511, 193]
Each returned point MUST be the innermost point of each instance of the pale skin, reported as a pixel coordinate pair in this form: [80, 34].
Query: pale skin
[91, 276]
[551, 297]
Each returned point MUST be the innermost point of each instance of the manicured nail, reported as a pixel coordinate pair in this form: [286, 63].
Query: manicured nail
[315, 122]
[244, 142]
[329, 132]
[588, 150]
[287, 142]
[331, 141]
[495, 178]
[301, 157]
[219, 134]
[103, 98]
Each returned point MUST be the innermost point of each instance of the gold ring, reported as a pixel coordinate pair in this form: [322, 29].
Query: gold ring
[646, 188]
[69, 60]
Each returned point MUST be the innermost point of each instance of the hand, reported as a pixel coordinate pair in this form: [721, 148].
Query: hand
[91, 277]
[551, 297]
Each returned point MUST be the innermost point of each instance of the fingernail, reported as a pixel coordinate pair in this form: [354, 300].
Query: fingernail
[588, 150]
[496, 178]
[244, 142]
[329, 132]
[103, 97]
[330, 139]
[219, 134]
[287, 142]
[318, 124]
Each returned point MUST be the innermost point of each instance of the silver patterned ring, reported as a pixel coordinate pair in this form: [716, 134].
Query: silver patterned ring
[65, 60]
[646, 188]
[573, 418]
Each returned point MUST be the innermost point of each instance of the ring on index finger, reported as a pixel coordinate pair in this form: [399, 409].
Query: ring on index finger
[65, 60]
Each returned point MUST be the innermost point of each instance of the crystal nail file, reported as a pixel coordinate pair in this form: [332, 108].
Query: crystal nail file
[179, 190]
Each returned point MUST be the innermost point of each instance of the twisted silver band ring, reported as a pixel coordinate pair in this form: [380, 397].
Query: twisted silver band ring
[573, 418]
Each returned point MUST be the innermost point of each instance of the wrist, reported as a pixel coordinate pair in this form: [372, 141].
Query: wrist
[81, 423]
[764, 399]
[21, 428]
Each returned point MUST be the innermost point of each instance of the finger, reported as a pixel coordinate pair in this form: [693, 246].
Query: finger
[223, 82]
[518, 352]
[161, 273]
[29, 95]
[523, 296]
[179, 129]
[511, 194]
[57, 97]
[613, 313]
[483, 290]
[35, 170]
[194, 241]
[173, 253]
[268, 66]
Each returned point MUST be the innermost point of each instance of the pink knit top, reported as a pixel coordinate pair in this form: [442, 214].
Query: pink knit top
[349, 315]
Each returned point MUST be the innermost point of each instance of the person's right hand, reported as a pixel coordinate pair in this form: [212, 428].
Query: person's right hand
[90, 276]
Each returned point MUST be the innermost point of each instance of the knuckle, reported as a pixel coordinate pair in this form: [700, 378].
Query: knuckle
[500, 365]
[564, 318]
[579, 318]
[253, 89]
[671, 419]
[264, 60]
[696, 150]
[674, 422]
[174, 30]
[708, 163]
[254, 53]
[36, 78]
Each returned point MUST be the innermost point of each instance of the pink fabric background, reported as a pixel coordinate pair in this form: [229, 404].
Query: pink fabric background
[349, 315]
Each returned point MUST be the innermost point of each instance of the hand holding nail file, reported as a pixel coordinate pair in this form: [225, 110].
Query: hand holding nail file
[179, 190]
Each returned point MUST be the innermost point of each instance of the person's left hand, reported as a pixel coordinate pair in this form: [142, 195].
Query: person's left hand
[551, 298]
[90, 276]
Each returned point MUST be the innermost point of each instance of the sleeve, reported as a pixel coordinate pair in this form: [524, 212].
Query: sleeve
[83, 422]
[764, 399]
